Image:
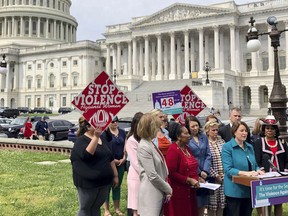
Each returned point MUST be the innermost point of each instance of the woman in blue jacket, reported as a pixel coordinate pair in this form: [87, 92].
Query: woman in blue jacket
[238, 160]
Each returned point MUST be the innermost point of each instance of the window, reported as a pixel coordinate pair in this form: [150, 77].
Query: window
[248, 64]
[20, 2]
[34, 2]
[29, 67]
[282, 62]
[51, 81]
[13, 2]
[51, 64]
[41, 2]
[7, 3]
[28, 102]
[64, 63]
[18, 27]
[34, 27]
[75, 80]
[59, 6]
[26, 27]
[75, 62]
[48, 3]
[38, 83]
[39, 66]
[64, 101]
[41, 28]
[64, 81]
[265, 63]
[29, 84]
[51, 104]
[27, 2]
[54, 5]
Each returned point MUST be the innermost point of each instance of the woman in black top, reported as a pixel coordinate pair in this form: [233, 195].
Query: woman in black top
[93, 169]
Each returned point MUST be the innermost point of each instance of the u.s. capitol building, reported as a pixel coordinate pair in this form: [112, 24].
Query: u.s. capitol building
[48, 67]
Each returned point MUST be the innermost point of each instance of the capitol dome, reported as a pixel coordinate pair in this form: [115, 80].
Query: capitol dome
[28, 23]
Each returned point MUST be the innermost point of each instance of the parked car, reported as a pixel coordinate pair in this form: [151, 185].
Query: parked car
[64, 110]
[12, 129]
[25, 109]
[72, 133]
[4, 122]
[58, 129]
[42, 110]
[9, 112]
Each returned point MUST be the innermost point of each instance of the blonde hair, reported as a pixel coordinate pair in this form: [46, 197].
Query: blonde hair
[148, 126]
[257, 126]
[210, 124]
[81, 122]
[155, 112]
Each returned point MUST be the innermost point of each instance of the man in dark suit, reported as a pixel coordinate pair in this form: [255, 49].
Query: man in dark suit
[225, 131]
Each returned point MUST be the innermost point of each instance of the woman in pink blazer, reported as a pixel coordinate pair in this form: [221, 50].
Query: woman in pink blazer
[133, 180]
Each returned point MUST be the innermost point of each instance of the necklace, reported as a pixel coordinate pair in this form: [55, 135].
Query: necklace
[271, 146]
[186, 153]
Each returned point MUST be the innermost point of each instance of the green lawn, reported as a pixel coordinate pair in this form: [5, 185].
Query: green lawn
[31, 189]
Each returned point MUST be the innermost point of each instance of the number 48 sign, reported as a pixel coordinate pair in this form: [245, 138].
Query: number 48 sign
[169, 102]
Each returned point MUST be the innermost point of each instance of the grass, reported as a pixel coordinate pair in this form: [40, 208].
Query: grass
[31, 189]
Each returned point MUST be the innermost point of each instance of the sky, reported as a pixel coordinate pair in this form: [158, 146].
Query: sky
[94, 15]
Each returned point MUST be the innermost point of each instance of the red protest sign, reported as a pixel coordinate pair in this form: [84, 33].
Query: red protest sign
[191, 103]
[100, 101]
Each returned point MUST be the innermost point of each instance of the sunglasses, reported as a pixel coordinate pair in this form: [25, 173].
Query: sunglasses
[114, 122]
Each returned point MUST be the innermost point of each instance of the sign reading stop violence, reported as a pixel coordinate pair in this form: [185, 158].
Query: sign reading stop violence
[191, 103]
[100, 101]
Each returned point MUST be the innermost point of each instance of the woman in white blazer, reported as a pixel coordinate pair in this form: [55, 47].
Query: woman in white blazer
[154, 188]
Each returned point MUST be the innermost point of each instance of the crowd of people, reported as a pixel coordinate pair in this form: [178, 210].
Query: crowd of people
[169, 161]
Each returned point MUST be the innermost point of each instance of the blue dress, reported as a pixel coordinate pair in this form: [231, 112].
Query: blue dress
[202, 153]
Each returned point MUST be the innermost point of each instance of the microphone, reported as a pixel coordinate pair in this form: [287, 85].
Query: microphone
[274, 168]
[265, 162]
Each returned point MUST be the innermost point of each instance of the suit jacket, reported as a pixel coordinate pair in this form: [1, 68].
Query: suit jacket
[226, 133]
[153, 175]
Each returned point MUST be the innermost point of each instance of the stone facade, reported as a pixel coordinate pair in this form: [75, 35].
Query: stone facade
[48, 67]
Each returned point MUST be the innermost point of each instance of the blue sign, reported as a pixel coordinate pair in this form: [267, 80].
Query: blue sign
[169, 102]
[272, 191]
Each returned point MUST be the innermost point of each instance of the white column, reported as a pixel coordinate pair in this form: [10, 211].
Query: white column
[55, 29]
[237, 50]
[21, 27]
[5, 27]
[16, 77]
[62, 31]
[30, 26]
[178, 59]
[159, 75]
[192, 53]
[67, 33]
[129, 58]
[134, 55]
[186, 74]
[13, 27]
[166, 68]
[254, 68]
[172, 75]
[47, 28]
[232, 47]
[141, 63]
[206, 48]
[286, 42]
[153, 60]
[9, 28]
[147, 69]
[270, 53]
[222, 55]
[201, 53]
[114, 48]
[8, 74]
[38, 26]
[118, 61]
[216, 47]
[108, 65]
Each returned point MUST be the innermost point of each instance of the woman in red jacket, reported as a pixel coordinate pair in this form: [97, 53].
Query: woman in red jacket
[183, 176]
[28, 129]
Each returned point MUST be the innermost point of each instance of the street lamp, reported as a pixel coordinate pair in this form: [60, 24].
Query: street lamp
[114, 76]
[278, 97]
[3, 65]
[207, 68]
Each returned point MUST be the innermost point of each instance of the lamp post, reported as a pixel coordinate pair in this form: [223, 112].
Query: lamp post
[3, 65]
[114, 76]
[278, 97]
[207, 68]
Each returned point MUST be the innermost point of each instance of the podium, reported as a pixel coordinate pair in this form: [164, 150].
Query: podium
[265, 191]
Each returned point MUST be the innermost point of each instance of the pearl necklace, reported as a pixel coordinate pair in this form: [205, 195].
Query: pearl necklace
[271, 146]
[187, 154]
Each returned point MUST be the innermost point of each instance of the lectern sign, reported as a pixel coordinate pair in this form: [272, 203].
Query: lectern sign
[100, 101]
[191, 103]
